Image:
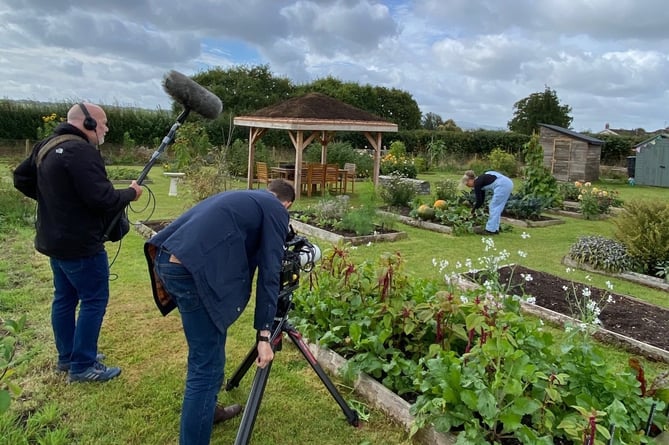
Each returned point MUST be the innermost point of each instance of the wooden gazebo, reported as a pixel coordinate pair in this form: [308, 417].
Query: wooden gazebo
[309, 117]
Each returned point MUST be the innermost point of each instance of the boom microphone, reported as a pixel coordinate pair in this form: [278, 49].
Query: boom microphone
[192, 95]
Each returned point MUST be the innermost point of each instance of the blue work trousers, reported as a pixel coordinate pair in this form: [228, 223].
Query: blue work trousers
[206, 352]
[501, 190]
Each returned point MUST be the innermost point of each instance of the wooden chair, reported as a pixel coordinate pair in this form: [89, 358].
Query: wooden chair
[315, 177]
[350, 176]
[262, 174]
[332, 177]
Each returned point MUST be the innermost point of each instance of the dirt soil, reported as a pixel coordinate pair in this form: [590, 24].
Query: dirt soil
[627, 316]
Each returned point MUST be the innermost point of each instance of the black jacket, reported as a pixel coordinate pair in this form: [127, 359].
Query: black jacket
[74, 196]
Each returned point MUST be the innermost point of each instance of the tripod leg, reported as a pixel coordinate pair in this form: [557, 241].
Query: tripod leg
[240, 372]
[296, 337]
[252, 405]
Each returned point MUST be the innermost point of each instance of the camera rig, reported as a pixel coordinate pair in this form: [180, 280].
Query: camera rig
[299, 256]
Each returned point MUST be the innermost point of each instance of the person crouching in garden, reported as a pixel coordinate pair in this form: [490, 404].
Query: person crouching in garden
[501, 188]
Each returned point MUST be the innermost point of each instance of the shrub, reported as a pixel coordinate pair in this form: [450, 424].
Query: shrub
[569, 191]
[643, 227]
[123, 173]
[448, 190]
[503, 162]
[602, 253]
[401, 165]
[396, 192]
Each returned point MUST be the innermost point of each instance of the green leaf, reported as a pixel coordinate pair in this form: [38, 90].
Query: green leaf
[4, 400]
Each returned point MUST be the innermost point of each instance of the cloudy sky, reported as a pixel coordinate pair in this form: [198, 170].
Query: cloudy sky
[466, 60]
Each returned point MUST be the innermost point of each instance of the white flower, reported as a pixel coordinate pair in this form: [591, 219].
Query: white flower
[468, 263]
[464, 299]
[369, 244]
[458, 265]
[531, 300]
[526, 276]
[434, 262]
[586, 292]
[568, 269]
[565, 288]
[488, 284]
[522, 254]
[588, 278]
[525, 235]
[609, 285]
[610, 299]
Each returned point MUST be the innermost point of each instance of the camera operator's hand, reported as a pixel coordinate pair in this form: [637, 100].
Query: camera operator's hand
[265, 352]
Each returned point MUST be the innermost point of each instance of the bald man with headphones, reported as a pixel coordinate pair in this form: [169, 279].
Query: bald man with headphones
[66, 175]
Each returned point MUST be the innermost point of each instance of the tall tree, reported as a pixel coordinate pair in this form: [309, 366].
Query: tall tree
[391, 104]
[539, 108]
[246, 89]
[432, 121]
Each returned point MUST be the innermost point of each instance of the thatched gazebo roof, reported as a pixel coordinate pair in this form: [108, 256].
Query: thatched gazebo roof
[321, 115]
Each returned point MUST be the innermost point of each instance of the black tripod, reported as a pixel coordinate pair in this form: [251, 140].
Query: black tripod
[280, 326]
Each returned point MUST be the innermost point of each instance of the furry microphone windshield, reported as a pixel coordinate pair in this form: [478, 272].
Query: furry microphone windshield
[192, 95]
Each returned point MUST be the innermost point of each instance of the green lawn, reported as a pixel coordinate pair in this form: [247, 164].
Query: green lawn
[143, 405]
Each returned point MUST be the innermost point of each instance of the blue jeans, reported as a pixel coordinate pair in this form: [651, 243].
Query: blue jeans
[83, 282]
[206, 353]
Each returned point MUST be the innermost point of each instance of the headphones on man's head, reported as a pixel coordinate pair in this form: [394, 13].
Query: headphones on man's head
[89, 122]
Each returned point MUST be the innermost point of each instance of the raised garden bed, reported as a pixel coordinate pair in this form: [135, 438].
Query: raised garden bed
[149, 228]
[629, 323]
[645, 280]
[545, 221]
[383, 235]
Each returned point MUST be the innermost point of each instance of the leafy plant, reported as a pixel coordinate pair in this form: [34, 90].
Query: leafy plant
[595, 201]
[539, 182]
[662, 269]
[602, 253]
[396, 192]
[583, 306]
[447, 190]
[525, 206]
[503, 162]
[49, 123]
[474, 364]
[10, 329]
[569, 190]
[120, 173]
[643, 227]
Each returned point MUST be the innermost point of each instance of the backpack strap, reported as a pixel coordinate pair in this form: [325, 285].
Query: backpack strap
[46, 148]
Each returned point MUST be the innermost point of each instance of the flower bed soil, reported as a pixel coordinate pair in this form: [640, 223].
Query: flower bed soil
[628, 316]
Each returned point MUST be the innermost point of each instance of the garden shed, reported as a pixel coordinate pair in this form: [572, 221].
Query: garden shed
[652, 161]
[319, 116]
[569, 155]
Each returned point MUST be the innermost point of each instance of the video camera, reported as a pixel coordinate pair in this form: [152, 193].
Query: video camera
[299, 256]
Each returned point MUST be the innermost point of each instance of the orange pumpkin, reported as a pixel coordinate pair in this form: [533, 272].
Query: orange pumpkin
[440, 204]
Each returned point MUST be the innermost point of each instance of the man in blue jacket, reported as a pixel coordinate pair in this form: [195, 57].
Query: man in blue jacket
[66, 175]
[204, 263]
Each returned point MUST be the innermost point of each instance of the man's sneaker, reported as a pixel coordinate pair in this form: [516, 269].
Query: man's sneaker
[488, 232]
[65, 367]
[96, 373]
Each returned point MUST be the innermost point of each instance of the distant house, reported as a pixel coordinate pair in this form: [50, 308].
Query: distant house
[652, 161]
[569, 155]
[607, 130]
